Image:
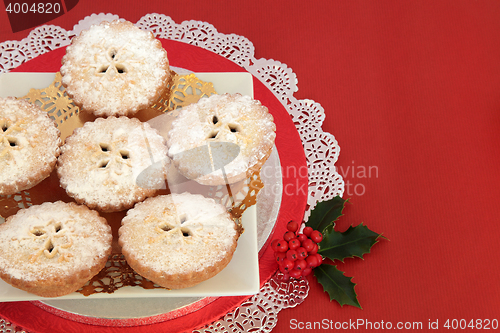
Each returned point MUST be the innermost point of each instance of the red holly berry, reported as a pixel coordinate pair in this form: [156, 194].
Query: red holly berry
[306, 271]
[282, 246]
[308, 244]
[274, 245]
[312, 261]
[301, 253]
[295, 273]
[292, 226]
[316, 236]
[307, 231]
[288, 236]
[293, 244]
[300, 264]
[286, 265]
[279, 256]
[292, 255]
[301, 237]
[314, 249]
[319, 258]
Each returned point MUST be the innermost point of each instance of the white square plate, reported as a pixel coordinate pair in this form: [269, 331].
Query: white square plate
[240, 277]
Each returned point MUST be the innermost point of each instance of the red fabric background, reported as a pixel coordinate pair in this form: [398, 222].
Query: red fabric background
[412, 90]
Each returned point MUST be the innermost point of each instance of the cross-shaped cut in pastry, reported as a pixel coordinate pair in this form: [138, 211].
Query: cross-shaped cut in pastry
[223, 128]
[175, 229]
[238, 131]
[115, 69]
[113, 61]
[10, 135]
[178, 240]
[57, 237]
[112, 156]
[101, 163]
[54, 248]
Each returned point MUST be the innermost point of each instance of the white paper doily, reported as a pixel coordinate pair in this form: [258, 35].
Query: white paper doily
[260, 312]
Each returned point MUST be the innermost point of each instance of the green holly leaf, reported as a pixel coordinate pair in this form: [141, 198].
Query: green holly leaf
[354, 242]
[326, 213]
[338, 286]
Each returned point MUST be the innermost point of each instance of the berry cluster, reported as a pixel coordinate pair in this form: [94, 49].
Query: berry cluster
[297, 253]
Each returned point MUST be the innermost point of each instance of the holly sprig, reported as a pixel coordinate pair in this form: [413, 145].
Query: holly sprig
[354, 242]
[300, 253]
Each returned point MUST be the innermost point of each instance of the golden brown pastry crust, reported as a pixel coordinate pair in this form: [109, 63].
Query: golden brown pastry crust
[115, 68]
[112, 163]
[221, 139]
[178, 240]
[53, 249]
[29, 145]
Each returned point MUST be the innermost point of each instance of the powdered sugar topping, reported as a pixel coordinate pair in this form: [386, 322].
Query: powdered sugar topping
[29, 142]
[115, 68]
[178, 233]
[236, 130]
[52, 240]
[113, 160]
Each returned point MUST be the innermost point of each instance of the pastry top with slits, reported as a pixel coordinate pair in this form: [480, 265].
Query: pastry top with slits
[178, 233]
[112, 163]
[29, 145]
[115, 68]
[53, 241]
[218, 139]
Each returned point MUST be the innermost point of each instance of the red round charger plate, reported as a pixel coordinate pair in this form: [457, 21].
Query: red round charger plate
[43, 318]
